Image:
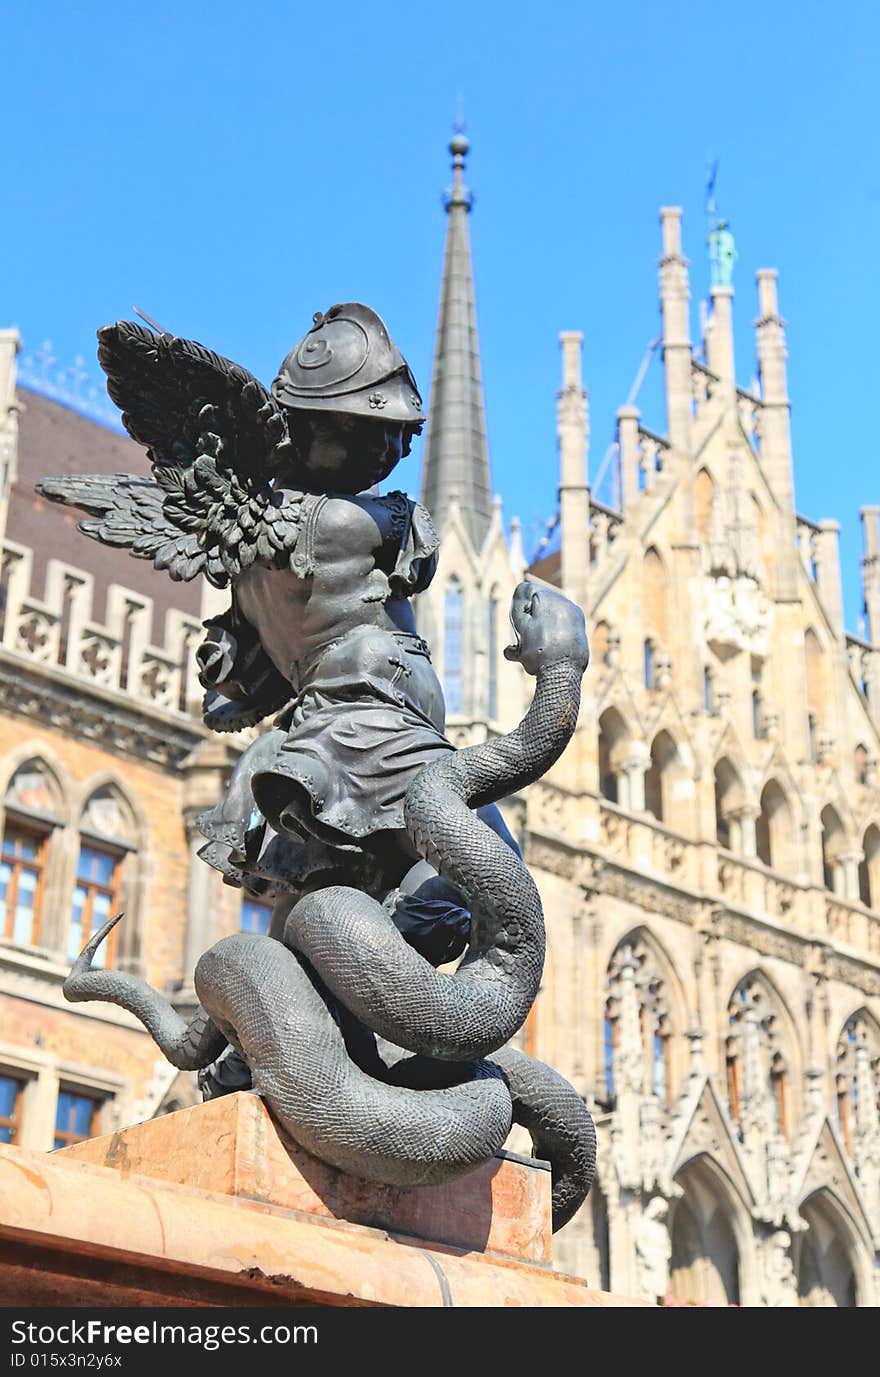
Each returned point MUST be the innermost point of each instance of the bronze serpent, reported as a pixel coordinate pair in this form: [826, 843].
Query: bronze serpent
[290, 1007]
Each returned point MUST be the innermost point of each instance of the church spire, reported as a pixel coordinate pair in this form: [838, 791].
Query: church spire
[456, 463]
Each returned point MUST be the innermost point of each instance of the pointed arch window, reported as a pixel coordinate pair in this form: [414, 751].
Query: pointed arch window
[729, 796]
[613, 739]
[107, 840]
[758, 730]
[708, 691]
[610, 1043]
[833, 840]
[869, 868]
[774, 831]
[22, 869]
[453, 628]
[32, 806]
[858, 1074]
[659, 776]
[648, 663]
[757, 1064]
[95, 898]
[639, 1023]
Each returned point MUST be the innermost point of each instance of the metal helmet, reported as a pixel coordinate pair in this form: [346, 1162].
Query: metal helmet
[348, 362]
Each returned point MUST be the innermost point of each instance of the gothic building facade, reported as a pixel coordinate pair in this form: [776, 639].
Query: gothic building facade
[708, 849]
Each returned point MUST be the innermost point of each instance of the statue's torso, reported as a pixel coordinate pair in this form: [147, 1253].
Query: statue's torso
[345, 553]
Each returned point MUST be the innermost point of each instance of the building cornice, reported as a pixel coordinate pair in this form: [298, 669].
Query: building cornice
[47, 695]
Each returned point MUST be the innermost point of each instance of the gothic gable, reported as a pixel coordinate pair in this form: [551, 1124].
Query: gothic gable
[704, 1127]
[823, 1166]
[616, 692]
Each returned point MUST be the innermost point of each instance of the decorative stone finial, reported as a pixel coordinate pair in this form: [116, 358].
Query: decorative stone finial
[458, 194]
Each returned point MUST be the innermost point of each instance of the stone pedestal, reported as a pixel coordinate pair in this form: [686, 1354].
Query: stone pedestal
[211, 1206]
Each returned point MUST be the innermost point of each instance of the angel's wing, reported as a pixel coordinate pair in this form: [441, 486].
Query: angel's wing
[215, 438]
[163, 386]
[129, 512]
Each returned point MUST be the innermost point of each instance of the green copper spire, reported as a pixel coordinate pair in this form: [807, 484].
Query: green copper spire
[456, 463]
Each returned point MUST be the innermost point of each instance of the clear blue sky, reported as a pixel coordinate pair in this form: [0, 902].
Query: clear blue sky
[231, 169]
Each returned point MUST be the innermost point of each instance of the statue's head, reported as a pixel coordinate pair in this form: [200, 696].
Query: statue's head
[352, 401]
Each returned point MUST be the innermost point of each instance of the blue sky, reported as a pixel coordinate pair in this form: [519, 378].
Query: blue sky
[231, 170]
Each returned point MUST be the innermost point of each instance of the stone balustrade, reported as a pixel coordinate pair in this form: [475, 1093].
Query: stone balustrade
[59, 631]
[749, 411]
[806, 533]
[555, 811]
[704, 385]
[647, 845]
[653, 459]
[852, 924]
[605, 527]
[640, 843]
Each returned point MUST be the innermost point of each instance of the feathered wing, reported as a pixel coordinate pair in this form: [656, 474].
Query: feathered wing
[129, 511]
[215, 438]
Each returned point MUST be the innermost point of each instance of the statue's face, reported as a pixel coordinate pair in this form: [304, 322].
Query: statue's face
[347, 453]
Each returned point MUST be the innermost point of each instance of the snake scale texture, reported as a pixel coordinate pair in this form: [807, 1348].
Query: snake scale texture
[343, 963]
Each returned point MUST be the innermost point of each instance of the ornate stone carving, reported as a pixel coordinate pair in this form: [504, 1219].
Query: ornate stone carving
[779, 1284]
[556, 859]
[653, 1249]
[647, 895]
[738, 615]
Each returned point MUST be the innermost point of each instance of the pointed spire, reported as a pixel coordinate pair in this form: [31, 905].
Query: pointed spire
[456, 463]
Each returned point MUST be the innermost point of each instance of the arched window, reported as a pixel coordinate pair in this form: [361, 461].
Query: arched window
[728, 798]
[492, 653]
[664, 756]
[107, 846]
[858, 1074]
[758, 1054]
[453, 627]
[708, 691]
[704, 1266]
[773, 829]
[860, 764]
[641, 1019]
[869, 868]
[758, 731]
[825, 1273]
[613, 736]
[648, 667]
[609, 1027]
[599, 644]
[32, 806]
[833, 841]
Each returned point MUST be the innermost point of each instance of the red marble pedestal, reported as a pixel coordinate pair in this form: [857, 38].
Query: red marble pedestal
[211, 1206]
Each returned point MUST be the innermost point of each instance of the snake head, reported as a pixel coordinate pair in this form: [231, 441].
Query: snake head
[548, 628]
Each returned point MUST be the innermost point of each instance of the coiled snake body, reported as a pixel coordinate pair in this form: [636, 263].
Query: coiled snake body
[297, 1010]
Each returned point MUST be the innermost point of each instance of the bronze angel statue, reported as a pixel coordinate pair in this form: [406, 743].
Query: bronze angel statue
[380, 843]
